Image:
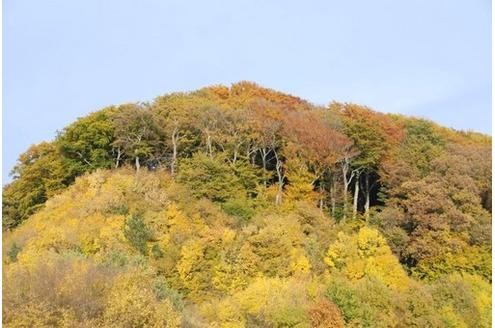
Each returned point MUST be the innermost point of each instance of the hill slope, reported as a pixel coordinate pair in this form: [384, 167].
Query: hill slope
[244, 206]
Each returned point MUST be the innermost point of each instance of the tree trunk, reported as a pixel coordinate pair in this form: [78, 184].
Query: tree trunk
[251, 155]
[138, 166]
[117, 160]
[367, 195]
[346, 187]
[347, 181]
[209, 146]
[356, 196]
[264, 154]
[234, 158]
[280, 176]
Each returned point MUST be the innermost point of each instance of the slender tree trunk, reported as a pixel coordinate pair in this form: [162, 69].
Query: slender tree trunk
[346, 187]
[251, 154]
[280, 176]
[347, 181]
[117, 160]
[84, 159]
[209, 147]
[264, 154]
[367, 195]
[138, 165]
[356, 196]
[234, 159]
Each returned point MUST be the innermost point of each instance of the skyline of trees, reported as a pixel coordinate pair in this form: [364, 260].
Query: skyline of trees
[226, 191]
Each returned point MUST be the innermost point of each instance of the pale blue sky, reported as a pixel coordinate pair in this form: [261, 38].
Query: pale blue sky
[63, 59]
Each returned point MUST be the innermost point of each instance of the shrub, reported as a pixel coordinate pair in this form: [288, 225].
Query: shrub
[325, 314]
[137, 233]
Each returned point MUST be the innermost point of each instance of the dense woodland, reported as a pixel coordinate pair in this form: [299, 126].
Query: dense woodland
[245, 207]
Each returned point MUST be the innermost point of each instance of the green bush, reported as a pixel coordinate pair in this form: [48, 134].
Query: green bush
[137, 233]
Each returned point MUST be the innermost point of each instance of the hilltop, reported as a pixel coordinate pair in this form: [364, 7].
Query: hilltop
[242, 206]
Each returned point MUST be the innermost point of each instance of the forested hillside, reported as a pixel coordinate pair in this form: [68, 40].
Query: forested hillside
[245, 207]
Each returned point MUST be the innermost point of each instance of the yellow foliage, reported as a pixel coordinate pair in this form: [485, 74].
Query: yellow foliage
[370, 243]
[451, 318]
[301, 184]
[300, 263]
[482, 294]
[131, 303]
[70, 264]
[226, 315]
[281, 302]
[191, 257]
[38, 315]
[136, 248]
[228, 277]
[366, 254]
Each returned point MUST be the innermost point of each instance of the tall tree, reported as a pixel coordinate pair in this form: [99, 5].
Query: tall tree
[320, 145]
[87, 144]
[175, 113]
[375, 136]
[268, 127]
[136, 133]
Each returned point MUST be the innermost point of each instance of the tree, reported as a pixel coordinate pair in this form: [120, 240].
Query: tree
[463, 300]
[267, 133]
[233, 132]
[365, 254]
[375, 136]
[137, 233]
[211, 177]
[133, 303]
[325, 314]
[40, 173]
[320, 145]
[174, 114]
[209, 123]
[136, 134]
[204, 246]
[87, 144]
[436, 218]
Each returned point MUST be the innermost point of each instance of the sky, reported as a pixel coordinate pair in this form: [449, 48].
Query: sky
[63, 59]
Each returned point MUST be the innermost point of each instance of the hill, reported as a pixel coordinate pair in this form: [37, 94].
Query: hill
[245, 207]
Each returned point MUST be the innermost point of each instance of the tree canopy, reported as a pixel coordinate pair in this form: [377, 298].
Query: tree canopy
[242, 206]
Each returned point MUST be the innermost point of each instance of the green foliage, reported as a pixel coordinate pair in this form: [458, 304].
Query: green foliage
[43, 174]
[241, 209]
[137, 233]
[87, 143]
[156, 252]
[13, 251]
[342, 294]
[214, 178]
[163, 291]
[464, 300]
[421, 145]
[136, 134]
